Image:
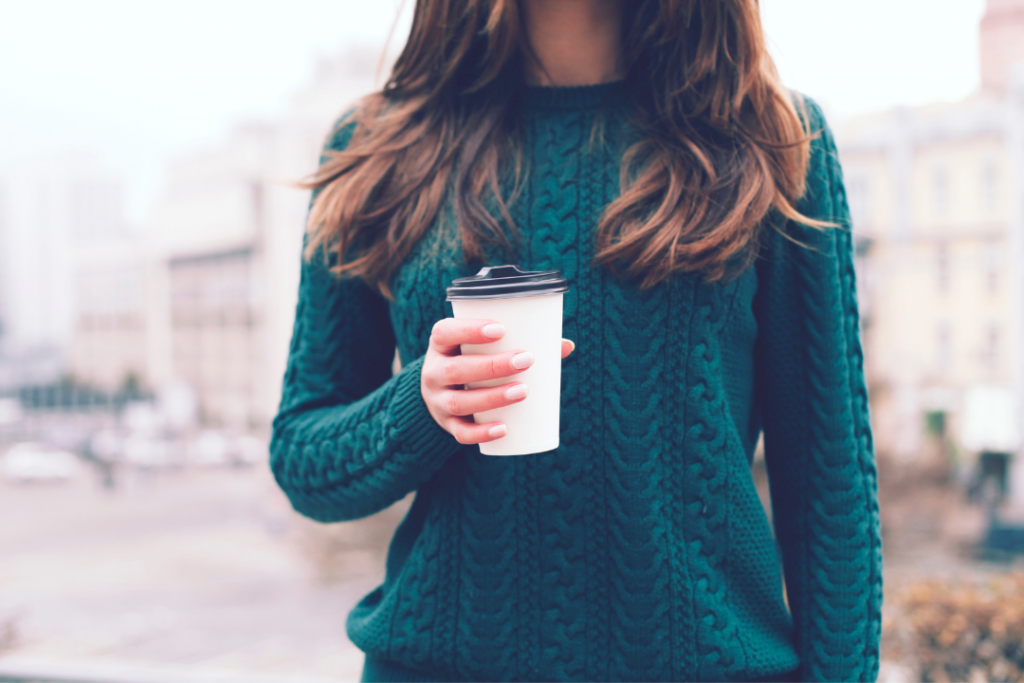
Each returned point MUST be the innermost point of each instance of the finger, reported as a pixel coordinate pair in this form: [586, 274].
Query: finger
[449, 333]
[567, 347]
[466, 431]
[457, 370]
[472, 401]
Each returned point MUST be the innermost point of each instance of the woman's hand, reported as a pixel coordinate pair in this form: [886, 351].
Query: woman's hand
[445, 371]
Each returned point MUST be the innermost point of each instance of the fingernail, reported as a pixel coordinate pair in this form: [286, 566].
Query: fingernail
[516, 392]
[494, 331]
[523, 360]
[498, 430]
[571, 343]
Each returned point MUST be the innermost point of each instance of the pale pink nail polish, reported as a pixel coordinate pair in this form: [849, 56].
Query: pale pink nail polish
[523, 360]
[516, 392]
[493, 331]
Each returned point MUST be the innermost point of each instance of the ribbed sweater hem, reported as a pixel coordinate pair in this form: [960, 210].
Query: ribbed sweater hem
[388, 672]
[382, 671]
[421, 436]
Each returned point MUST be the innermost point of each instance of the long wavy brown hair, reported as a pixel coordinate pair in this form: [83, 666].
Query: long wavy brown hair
[720, 143]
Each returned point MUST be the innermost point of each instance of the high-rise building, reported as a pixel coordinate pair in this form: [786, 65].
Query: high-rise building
[5, 284]
[47, 209]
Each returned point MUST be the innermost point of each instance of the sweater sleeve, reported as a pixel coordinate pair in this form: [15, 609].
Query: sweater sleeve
[817, 437]
[349, 438]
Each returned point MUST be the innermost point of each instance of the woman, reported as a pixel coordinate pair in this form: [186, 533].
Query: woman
[647, 150]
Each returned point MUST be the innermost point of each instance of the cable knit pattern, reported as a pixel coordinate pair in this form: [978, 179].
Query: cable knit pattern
[555, 239]
[638, 550]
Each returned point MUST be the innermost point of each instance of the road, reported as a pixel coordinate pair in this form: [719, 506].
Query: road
[210, 573]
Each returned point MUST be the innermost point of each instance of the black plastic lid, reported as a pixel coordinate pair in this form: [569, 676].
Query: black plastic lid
[504, 282]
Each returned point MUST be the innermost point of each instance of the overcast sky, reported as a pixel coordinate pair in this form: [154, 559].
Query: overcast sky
[140, 81]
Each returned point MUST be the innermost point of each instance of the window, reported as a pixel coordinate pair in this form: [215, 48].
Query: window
[942, 267]
[992, 265]
[940, 190]
[944, 346]
[4, 252]
[858, 192]
[992, 347]
[989, 180]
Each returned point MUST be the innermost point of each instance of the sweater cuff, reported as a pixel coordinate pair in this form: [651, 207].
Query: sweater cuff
[414, 427]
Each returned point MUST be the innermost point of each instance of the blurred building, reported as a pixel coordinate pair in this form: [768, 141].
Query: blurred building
[110, 341]
[5, 238]
[209, 299]
[936, 196]
[47, 210]
[1001, 47]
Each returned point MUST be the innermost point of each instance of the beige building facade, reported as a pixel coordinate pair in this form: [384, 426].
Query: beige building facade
[216, 333]
[935, 194]
[205, 299]
[111, 335]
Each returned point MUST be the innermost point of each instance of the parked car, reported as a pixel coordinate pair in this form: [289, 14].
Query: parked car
[36, 462]
[249, 450]
[147, 452]
[210, 449]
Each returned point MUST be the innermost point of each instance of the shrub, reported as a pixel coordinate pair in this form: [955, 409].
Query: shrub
[961, 631]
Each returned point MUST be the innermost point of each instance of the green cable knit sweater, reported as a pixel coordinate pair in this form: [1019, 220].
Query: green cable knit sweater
[638, 550]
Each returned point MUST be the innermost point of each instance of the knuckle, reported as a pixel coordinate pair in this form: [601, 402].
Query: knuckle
[428, 373]
[450, 371]
[452, 402]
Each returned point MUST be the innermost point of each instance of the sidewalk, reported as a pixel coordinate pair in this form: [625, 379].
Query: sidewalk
[22, 669]
[195, 574]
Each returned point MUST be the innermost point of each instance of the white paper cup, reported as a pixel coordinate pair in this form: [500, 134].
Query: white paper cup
[533, 322]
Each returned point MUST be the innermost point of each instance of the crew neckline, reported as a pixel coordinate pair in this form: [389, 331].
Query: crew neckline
[568, 97]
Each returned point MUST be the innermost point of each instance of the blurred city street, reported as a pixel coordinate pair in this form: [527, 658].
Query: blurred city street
[151, 226]
[195, 572]
[188, 569]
